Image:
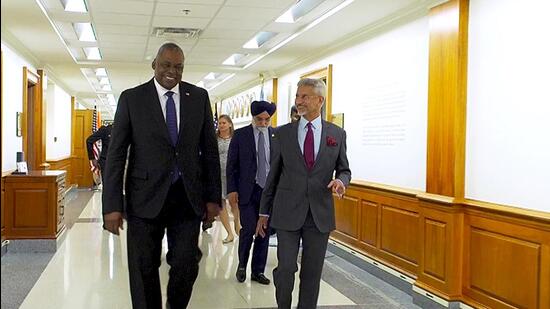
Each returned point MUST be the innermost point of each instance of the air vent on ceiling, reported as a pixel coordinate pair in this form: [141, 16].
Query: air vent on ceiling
[180, 33]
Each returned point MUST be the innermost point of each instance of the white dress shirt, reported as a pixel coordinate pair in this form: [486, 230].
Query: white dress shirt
[161, 92]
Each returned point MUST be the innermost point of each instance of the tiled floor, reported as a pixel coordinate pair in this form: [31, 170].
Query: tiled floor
[90, 271]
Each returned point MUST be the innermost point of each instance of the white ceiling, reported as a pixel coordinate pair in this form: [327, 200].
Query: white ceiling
[124, 35]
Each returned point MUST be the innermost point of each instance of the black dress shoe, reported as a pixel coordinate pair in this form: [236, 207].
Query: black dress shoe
[260, 278]
[241, 274]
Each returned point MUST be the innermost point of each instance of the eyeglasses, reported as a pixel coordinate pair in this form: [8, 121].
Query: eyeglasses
[305, 97]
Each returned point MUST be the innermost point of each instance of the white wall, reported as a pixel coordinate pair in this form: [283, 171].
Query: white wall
[58, 123]
[381, 86]
[12, 93]
[507, 141]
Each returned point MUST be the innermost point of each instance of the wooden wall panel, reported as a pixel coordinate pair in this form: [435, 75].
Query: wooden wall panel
[483, 256]
[347, 213]
[3, 216]
[399, 235]
[368, 229]
[435, 239]
[506, 265]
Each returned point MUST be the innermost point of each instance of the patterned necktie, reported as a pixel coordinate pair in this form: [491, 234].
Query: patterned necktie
[171, 118]
[309, 155]
[261, 171]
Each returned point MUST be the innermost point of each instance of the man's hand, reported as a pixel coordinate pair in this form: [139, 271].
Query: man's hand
[261, 227]
[337, 187]
[112, 222]
[212, 211]
[94, 163]
[233, 198]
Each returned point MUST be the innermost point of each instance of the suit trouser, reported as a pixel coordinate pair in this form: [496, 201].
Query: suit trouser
[249, 219]
[314, 246]
[145, 247]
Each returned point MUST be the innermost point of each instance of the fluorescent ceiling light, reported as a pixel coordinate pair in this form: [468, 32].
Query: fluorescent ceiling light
[104, 81]
[234, 59]
[55, 29]
[106, 87]
[100, 72]
[223, 81]
[84, 32]
[92, 53]
[298, 10]
[287, 17]
[74, 6]
[260, 39]
[210, 76]
[297, 34]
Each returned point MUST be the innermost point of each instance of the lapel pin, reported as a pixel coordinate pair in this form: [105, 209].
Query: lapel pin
[187, 93]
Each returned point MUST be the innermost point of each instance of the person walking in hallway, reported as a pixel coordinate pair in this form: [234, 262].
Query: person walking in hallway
[225, 132]
[247, 168]
[102, 134]
[173, 179]
[297, 197]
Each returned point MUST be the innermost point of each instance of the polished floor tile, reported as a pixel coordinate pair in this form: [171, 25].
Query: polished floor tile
[90, 271]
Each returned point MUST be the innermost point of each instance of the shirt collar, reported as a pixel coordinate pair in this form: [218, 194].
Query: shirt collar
[316, 123]
[162, 91]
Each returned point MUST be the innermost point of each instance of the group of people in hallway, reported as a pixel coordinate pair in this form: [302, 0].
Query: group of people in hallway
[180, 172]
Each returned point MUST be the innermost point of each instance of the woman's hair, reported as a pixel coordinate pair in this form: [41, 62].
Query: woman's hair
[228, 119]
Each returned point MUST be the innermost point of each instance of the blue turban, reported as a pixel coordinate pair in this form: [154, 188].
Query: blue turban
[258, 107]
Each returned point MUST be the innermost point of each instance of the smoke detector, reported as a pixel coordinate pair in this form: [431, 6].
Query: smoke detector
[172, 32]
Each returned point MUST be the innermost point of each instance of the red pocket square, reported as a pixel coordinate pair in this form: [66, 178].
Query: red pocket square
[331, 141]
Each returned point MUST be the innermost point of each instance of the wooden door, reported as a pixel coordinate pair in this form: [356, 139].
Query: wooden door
[82, 128]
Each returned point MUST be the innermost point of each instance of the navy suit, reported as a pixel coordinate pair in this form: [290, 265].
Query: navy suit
[241, 178]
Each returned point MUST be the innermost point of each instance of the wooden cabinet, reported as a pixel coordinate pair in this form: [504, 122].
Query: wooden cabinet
[34, 205]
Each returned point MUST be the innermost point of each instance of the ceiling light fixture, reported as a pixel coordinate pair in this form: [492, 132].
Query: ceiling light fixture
[85, 32]
[297, 34]
[234, 59]
[100, 72]
[74, 6]
[92, 53]
[298, 10]
[41, 6]
[259, 39]
[223, 81]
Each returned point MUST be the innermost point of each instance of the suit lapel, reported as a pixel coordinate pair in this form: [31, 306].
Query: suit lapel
[156, 109]
[294, 136]
[185, 101]
[322, 143]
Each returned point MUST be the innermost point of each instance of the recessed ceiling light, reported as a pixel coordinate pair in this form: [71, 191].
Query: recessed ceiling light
[259, 39]
[210, 76]
[104, 81]
[298, 10]
[92, 53]
[84, 32]
[74, 6]
[100, 72]
[234, 59]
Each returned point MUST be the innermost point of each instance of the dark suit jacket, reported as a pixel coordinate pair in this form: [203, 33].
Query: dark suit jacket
[291, 189]
[103, 134]
[140, 125]
[241, 163]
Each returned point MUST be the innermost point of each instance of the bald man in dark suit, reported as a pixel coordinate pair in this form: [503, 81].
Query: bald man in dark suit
[173, 179]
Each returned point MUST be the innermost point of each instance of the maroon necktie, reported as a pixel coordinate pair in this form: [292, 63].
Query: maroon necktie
[309, 154]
